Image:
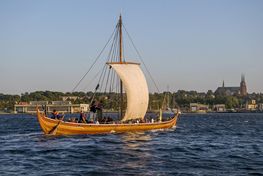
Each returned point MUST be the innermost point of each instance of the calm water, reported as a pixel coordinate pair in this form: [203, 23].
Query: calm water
[202, 144]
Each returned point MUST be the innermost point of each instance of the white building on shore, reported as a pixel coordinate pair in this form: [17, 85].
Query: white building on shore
[60, 106]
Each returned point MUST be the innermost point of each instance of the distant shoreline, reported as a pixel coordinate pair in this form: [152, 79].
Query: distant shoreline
[6, 113]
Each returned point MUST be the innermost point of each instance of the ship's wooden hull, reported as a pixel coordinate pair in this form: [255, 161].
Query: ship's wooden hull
[58, 127]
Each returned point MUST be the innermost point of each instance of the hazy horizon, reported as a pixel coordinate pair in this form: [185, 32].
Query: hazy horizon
[186, 45]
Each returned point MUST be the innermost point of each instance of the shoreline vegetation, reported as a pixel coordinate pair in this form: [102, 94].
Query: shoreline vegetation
[33, 114]
[210, 112]
[165, 100]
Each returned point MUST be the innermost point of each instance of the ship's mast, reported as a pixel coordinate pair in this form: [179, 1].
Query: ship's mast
[120, 50]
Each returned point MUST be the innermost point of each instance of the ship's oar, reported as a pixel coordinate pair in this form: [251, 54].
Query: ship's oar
[53, 131]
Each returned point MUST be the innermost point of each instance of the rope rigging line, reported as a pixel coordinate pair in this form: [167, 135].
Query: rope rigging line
[103, 70]
[140, 57]
[113, 58]
[116, 50]
[101, 81]
[113, 45]
[109, 73]
[91, 81]
[112, 82]
[123, 54]
[109, 59]
[94, 61]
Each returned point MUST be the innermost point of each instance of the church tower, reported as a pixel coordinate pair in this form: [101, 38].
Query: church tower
[243, 87]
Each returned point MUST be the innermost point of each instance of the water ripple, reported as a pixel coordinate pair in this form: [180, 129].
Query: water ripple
[201, 144]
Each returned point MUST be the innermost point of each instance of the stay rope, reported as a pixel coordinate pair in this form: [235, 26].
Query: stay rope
[97, 58]
[140, 57]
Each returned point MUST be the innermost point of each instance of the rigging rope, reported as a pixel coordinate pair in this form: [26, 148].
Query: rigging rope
[104, 73]
[109, 73]
[94, 61]
[140, 57]
[91, 81]
[113, 46]
[102, 76]
[112, 82]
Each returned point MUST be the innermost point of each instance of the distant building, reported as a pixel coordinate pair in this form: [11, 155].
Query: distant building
[60, 106]
[251, 105]
[66, 98]
[243, 86]
[219, 107]
[241, 90]
[260, 106]
[196, 107]
[37, 102]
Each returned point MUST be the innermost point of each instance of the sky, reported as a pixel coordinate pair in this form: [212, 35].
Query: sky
[186, 45]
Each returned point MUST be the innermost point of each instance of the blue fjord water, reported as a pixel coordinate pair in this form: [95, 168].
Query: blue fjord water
[201, 144]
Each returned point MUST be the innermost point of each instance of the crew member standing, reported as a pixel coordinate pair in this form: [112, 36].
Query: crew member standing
[93, 112]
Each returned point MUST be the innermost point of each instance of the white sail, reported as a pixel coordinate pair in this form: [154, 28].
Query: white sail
[136, 89]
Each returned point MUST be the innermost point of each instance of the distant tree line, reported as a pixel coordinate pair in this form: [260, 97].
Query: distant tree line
[181, 99]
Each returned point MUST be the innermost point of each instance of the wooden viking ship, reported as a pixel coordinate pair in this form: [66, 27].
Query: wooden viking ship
[133, 80]
[57, 127]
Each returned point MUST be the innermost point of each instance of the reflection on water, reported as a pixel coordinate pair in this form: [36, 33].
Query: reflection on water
[137, 138]
[134, 144]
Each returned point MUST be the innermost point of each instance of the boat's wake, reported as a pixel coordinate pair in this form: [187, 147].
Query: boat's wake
[166, 129]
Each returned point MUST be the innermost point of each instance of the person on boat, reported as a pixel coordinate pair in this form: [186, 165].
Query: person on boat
[44, 109]
[54, 114]
[60, 116]
[93, 111]
[82, 117]
[99, 108]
